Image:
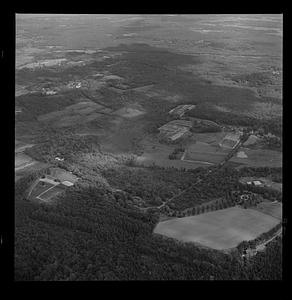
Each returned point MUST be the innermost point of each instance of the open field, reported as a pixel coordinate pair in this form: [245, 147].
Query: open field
[63, 175]
[22, 160]
[158, 154]
[200, 151]
[273, 209]
[40, 188]
[259, 158]
[222, 229]
[79, 113]
[50, 193]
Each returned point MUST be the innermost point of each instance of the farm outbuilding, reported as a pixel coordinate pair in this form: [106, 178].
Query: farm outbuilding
[67, 183]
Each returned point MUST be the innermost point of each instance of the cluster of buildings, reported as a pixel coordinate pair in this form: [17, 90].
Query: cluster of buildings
[175, 130]
[74, 84]
[261, 182]
[47, 91]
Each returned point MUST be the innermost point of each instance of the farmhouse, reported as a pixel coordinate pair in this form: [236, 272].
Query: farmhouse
[67, 183]
[256, 182]
[181, 110]
[59, 159]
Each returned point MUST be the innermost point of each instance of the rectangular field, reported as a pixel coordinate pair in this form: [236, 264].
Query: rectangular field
[205, 152]
[51, 193]
[40, 188]
[273, 209]
[259, 158]
[221, 229]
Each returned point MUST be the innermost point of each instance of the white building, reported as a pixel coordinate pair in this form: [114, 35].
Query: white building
[67, 183]
[59, 159]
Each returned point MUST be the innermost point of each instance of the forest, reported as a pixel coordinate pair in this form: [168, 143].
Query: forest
[63, 143]
[206, 111]
[87, 235]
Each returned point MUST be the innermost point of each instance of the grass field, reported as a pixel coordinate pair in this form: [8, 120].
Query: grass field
[156, 153]
[200, 151]
[40, 188]
[63, 175]
[51, 193]
[273, 209]
[79, 113]
[259, 158]
[221, 229]
[22, 160]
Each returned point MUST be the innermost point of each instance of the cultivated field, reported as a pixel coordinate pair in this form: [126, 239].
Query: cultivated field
[63, 175]
[221, 229]
[50, 193]
[259, 158]
[205, 152]
[273, 209]
[79, 113]
[22, 160]
[157, 153]
[205, 147]
[41, 187]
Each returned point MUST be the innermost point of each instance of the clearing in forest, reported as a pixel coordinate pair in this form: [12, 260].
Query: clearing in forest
[221, 229]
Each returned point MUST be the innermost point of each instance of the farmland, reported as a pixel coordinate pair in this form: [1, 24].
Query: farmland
[273, 209]
[259, 158]
[94, 96]
[222, 229]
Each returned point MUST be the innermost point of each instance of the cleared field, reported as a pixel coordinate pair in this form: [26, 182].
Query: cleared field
[200, 151]
[222, 229]
[51, 193]
[156, 153]
[158, 159]
[63, 175]
[40, 188]
[259, 158]
[273, 209]
[75, 114]
[130, 111]
[21, 160]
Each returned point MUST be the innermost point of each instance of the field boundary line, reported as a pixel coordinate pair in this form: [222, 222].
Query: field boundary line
[38, 197]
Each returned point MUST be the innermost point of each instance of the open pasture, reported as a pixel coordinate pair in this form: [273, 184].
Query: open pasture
[63, 175]
[50, 193]
[205, 152]
[273, 209]
[22, 161]
[41, 187]
[259, 158]
[158, 154]
[75, 114]
[221, 229]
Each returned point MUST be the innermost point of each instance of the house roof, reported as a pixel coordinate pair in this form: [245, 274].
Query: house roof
[67, 183]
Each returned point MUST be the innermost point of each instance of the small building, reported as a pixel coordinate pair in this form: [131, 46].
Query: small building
[67, 183]
[59, 159]
[257, 182]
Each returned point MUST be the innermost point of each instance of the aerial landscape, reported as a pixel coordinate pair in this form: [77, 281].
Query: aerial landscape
[148, 147]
